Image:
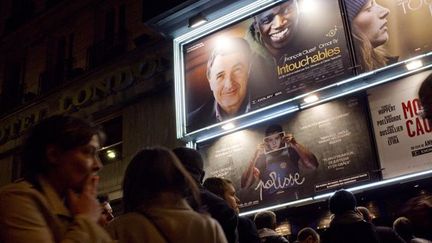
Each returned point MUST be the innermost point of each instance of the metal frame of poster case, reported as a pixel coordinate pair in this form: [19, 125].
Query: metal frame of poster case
[327, 93]
[344, 87]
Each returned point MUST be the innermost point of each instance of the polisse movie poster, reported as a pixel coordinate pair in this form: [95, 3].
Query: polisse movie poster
[389, 31]
[403, 136]
[277, 54]
[310, 152]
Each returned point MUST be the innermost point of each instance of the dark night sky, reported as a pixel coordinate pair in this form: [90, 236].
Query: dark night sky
[154, 8]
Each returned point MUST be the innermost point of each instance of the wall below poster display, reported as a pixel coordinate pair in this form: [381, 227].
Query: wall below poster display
[403, 137]
[292, 158]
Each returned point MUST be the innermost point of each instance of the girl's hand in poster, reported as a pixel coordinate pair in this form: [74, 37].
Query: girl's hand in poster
[289, 139]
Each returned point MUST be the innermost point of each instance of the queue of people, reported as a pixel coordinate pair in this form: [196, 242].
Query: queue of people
[164, 198]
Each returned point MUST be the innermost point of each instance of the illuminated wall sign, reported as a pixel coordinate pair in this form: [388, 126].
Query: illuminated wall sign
[388, 31]
[308, 153]
[404, 138]
[277, 54]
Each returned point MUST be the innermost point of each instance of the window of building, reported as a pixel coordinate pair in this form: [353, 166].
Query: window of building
[122, 21]
[110, 24]
[12, 89]
[21, 11]
[59, 64]
[17, 168]
[112, 150]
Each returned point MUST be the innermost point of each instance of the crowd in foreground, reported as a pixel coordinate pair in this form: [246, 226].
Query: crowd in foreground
[164, 198]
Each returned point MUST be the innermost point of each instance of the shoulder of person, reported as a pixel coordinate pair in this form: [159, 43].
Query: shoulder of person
[215, 204]
[20, 189]
[20, 185]
[133, 228]
[420, 240]
[388, 234]
[274, 239]
[246, 222]
[385, 229]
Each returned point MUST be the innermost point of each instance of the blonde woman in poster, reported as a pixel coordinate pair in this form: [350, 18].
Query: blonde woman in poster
[369, 31]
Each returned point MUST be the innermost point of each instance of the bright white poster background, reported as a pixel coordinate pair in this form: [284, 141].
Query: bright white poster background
[403, 137]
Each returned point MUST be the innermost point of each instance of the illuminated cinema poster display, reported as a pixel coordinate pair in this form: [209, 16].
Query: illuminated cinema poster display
[403, 137]
[310, 152]
[277, 54]
[389, 31]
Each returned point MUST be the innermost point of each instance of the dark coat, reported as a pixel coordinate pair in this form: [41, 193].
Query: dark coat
[274, 239]
[270, 236]
[220, 210]
[247, 231]
[388, 235]
[357, 232]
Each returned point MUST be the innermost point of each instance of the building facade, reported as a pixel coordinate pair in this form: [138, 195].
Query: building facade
[90, 58]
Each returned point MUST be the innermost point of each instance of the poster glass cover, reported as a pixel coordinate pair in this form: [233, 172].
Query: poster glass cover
[402, 135]
[313, 151]
[279, 53]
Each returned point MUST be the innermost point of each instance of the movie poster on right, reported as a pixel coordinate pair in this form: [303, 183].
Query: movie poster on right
[403, 137]
[389, 31]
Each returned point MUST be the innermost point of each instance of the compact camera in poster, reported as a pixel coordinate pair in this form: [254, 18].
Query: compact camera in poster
[274, 142]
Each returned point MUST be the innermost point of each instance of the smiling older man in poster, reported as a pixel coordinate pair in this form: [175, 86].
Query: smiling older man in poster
[228, 74]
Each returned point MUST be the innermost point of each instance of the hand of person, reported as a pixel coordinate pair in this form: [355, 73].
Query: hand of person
[289, 139]
[256, 172]
[85, 203]
[260, 150]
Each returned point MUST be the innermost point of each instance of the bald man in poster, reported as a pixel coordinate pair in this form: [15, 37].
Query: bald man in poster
[228, 75]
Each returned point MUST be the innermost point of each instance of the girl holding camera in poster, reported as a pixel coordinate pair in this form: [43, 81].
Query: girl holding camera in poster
[276, 165]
